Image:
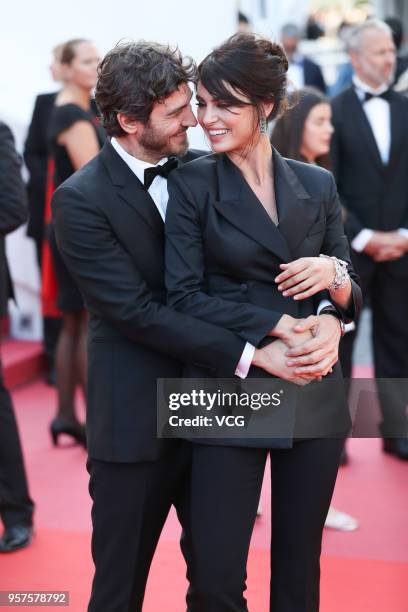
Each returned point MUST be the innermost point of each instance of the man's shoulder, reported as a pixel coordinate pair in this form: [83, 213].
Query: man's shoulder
[342, 97]
[89, 180]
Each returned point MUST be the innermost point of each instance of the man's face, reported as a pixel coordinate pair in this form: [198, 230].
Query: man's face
[165, 133]
[374, 62]
[290, 45]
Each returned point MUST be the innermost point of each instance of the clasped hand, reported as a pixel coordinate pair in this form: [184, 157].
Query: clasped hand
[305, 349]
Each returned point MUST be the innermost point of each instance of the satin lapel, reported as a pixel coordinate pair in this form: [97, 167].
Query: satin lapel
[361, 124]
[295, 211]
[239, 205]
[130, 189]
[396, 131]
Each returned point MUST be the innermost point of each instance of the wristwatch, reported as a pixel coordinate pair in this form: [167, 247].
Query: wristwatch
[333, 311]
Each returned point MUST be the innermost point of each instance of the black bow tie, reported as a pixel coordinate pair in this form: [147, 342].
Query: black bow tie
[159, 170]
[385, 95]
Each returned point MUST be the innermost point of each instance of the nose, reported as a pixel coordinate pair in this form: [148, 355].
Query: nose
[208, 116]
[190, 119]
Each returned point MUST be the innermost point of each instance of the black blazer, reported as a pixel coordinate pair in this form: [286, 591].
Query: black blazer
[223, 251]
[111, 237]
[313, 76]
[36, 159]
[13, 206]
[374, 196]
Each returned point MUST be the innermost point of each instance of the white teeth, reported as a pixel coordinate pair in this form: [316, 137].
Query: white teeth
[217, 132]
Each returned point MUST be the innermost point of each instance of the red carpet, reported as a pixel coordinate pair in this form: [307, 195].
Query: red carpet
[362, 571]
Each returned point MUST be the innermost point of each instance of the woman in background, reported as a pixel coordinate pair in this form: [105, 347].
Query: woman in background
[74, 139]
[304, 133]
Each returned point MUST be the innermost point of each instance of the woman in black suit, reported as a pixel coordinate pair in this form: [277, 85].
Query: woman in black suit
[244, 232]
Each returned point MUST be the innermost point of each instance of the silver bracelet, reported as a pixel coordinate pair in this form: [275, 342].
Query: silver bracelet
[341, 275]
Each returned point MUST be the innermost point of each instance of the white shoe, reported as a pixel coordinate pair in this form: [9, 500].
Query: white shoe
[259, 511]
[340, 520]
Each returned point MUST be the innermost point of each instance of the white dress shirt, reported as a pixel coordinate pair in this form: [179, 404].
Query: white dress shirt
[378, 113]
[160, 196]
[296, 73]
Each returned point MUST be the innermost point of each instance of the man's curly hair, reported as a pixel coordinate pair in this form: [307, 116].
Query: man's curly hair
[135, 75]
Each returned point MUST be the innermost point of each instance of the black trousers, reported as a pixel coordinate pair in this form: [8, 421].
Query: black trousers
[388, 298]
[16, 507]
[51, 325]
[225, 488]
[131, 502]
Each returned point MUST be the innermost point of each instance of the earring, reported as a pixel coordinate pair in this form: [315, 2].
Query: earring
[263, 126]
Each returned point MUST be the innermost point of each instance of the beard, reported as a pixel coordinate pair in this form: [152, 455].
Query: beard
[158, 144]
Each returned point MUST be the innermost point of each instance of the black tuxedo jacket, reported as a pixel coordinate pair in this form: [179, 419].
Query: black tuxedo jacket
[374, 196]
[313, 76]
[111, 237]
[36, 159]
[223, 251]
[13, 206]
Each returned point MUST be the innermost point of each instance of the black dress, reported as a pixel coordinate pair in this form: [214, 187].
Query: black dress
[62, 118]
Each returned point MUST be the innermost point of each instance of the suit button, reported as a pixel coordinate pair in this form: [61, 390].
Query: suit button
[244, 288]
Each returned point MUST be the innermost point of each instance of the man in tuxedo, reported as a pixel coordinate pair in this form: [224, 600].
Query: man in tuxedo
[302, 70]
[370, 161]
[110, 231]
[16, 507]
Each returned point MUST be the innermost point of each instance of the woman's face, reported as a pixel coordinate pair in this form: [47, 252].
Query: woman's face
[83, 69]
[317, 132]
[228, 128]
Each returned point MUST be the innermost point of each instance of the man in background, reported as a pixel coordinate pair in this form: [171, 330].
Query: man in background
[370, 161]
[302, 70]
[16, 507]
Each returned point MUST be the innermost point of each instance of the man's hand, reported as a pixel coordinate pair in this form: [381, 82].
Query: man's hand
[384, 246]
[388, 254]
[316, 357]
[272, 359]
[285, 331]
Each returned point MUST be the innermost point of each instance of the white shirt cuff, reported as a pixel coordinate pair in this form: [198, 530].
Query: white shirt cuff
[403, 231]
[245, 361]
[360, 242]
[323, 304]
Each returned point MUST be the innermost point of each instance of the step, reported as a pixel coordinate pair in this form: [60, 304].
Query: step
[23, 361]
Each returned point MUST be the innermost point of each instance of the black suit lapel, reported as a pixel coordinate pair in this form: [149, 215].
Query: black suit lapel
[362, 127]
[130, 190]
[396, 113]
[241, 207]
[238, 203]
[295, 210]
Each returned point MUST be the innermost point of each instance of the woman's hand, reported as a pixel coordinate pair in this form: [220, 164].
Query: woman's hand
[305, 277]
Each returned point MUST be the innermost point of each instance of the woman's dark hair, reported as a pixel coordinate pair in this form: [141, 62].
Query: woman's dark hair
[288, 131]
[68, 50]
[135, 75]
[253, 67]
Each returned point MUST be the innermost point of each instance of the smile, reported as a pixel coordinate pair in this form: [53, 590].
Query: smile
[217, 132]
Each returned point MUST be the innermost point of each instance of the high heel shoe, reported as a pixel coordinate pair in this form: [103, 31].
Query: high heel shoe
[60, 426]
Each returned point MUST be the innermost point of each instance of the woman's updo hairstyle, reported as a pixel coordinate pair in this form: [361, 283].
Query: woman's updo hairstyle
[69, 49]
[254, 67]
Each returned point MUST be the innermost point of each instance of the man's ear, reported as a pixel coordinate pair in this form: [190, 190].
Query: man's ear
[128, 125]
